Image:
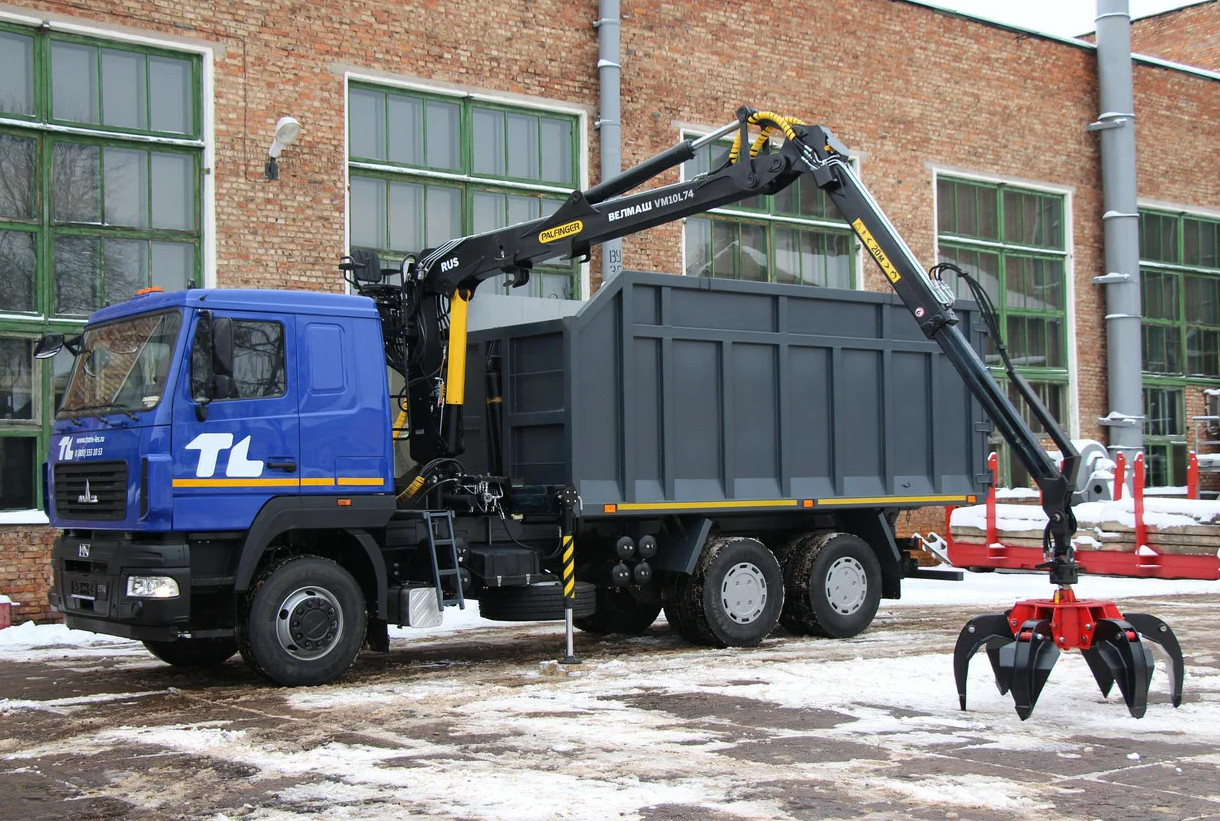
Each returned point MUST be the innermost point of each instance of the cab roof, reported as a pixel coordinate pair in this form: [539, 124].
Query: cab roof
[242, 299]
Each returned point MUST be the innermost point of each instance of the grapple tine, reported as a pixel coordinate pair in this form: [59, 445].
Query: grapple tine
[1119, 646]
[1158, 632]
[1101, 670]
[992, 631]
[1029, 660]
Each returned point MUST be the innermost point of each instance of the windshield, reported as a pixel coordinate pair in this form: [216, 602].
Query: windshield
[122, 366]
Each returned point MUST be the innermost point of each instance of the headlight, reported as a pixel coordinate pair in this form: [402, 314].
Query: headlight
[151, 587]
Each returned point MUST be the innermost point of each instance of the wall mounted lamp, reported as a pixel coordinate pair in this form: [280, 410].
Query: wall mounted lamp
[287, 129]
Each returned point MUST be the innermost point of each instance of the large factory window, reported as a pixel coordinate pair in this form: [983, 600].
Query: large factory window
[426, 168]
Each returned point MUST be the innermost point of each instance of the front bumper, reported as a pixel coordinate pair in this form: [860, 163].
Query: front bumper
[89, 586]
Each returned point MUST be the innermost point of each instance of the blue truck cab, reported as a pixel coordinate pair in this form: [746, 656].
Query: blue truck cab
[197, 430]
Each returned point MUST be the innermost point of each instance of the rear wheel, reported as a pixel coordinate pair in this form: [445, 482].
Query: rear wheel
[733, 598]
[619, 612]
[303, 622]
[193, 652]
[833, 583]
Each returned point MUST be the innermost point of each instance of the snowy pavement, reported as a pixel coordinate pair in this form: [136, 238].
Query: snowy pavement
[476, 720]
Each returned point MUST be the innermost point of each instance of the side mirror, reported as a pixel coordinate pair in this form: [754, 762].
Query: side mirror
[48, 346]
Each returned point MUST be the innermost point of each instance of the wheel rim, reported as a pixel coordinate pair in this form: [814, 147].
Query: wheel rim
[846, 585]
[743, 593]
[309, 623]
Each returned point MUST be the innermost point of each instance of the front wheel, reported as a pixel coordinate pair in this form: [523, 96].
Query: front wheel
[733, 598]
[193, 652]
[303, 622]
[834, 586]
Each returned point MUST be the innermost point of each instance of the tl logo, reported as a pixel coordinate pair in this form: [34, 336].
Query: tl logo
[210, 445]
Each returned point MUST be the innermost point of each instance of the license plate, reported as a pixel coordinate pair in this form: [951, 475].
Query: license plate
[84, 590]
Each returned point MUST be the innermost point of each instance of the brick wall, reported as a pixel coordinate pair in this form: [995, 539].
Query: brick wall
[25, 570]
[908, 88]
[1190, 35]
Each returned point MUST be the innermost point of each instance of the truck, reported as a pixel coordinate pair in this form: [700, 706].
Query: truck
[285, 474]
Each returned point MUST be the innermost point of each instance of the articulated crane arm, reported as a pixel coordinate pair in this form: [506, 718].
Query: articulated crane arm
[1022, 644]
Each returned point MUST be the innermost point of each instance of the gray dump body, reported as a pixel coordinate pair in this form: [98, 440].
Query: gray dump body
[669, 394]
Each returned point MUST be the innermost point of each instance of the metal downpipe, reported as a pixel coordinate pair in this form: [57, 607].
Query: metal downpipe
[1116, 128]
[609, 122]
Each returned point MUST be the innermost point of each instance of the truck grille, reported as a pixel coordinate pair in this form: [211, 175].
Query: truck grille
[91, 490]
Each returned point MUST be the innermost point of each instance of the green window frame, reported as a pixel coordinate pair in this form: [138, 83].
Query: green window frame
[425, 168]
[101, 178]
[795, 236]
[1013, 241]
[1180, 331]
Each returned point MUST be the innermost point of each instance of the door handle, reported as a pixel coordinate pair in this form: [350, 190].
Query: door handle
[286, 465]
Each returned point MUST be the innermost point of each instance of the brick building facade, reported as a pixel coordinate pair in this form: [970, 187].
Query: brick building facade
[937, 105]
[1187, 35]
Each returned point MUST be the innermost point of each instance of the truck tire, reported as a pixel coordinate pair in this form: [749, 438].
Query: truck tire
[618, 612]
[535, 602]
[302, 622]
[193, 652]
[833, 584]
[733, 598]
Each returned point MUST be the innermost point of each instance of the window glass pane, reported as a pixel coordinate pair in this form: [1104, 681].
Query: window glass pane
[1163, 412]
[258, 359]
[124, 268]
[1202, 352]
[18, 263]
[75, 189]
[126, 186]
[171, 87]
[406, 129]
[406, 217]
[173, 191]
[490, 212]
[173, 265]
[698, 241]
[368, 213]
[444, 135]
[74, 82]
[724, 247]
[522, 209]
[557, 151]
[16, 73]
[946, 206]
[443, 215]
[1204, 251]
[838, 261]
[1203, 300]
[77, 261]
[17, 458]
[1161, 296]
[523, 160]
[366, 124]
[787, 260]
[16, 379]
[18, 199]
[753, 252]
[123, 89]
[488, 142]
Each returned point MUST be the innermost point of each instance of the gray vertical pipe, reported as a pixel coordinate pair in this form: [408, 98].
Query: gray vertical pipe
[1116, 127]
[609, 124]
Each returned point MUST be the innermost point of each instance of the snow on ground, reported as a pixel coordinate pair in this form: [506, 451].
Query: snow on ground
[597, 741]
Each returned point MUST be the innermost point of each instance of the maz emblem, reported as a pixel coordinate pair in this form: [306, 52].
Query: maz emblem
[82, 550]
[87, 498]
